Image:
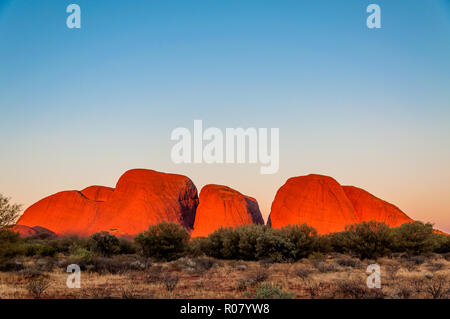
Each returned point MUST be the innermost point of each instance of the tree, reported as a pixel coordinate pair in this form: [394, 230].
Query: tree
[414, 238]
[163, 241]
[104, 244]
[366, 240]
[8, 212]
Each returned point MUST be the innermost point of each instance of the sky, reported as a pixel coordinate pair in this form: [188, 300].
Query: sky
[369, 107]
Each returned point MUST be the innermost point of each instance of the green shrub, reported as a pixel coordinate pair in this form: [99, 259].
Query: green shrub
[248, 239]
[8, 236]
[270, 291]
[443, 244]
[414, 238]
[197, 246]
[127, 246]
[303, 237]
[46, 251]
[223, 243]
[275, 247]
[365, 240]
[104, 244]
[163, 241]
[259, 242]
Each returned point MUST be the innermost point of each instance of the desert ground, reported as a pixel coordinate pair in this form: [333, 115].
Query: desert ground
[325, 276]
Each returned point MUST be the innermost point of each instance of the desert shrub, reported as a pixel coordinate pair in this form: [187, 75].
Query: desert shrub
[270, 291]
[170, 281]
[414, 238]
[126, 246]
[9, 212]
[437, 287]
[323, 244]
[104, 244]
[442, 244]
[9, 265]
[365, 240]
[274, 246]
[223, 243]
[252, 279]
[352, 288]
[46, 251]
[195, 266]
[69, 244]
[259, 242]
[197, 246]
[325, 267]
[303, 272]
[163, 241]
[37, 286]
[248, 239]
[155, 273]
[303, 239]
[102, 265]
[8, 236]
[348, 262]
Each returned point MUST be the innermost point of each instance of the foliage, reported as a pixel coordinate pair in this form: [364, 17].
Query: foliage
[8, 212]
[104, 244]
[163, 241]
[414, 238]
[270, 291]
[366, 240]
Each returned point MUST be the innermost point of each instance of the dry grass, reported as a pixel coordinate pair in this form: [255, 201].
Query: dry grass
[334, 276]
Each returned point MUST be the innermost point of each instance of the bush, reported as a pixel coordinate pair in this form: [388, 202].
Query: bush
[8, 236]
[274, 246]
[104, 244]
[69, 244]
[414, 238]
[303, 237]
[443, 244]
[270, 291]
[248, 239]
[37, 286]
[126, 246]
[365, 240]
[46, 251]
[163, 241]
[259, 242]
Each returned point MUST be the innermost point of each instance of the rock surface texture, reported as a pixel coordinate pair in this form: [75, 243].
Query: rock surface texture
[221, 206]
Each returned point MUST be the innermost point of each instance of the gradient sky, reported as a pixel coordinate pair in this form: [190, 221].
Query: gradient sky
[369, 107]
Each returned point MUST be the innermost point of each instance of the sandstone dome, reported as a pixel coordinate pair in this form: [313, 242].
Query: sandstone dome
[368, 207]
[141, 198]
[316, 200]
[222, 206]
[321, 202]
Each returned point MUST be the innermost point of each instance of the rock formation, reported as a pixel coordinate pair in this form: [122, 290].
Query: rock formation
[221, 206]
[316, 200]
[369, 207]
[327, 206]
[141, 198]
[25, 231]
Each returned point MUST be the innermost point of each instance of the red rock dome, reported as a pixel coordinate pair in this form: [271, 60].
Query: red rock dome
[316, 200]
[221, 206]
[25, 231]
[141, 198]
[369, 207]
[98, 193]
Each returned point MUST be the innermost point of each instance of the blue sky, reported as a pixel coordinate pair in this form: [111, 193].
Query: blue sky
[368, 107]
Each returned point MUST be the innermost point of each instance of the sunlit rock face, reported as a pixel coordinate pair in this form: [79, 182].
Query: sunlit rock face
[26, 231]
[221, 206]
[369, 207]
[141, 198]
[316, 200]
[321, 202]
